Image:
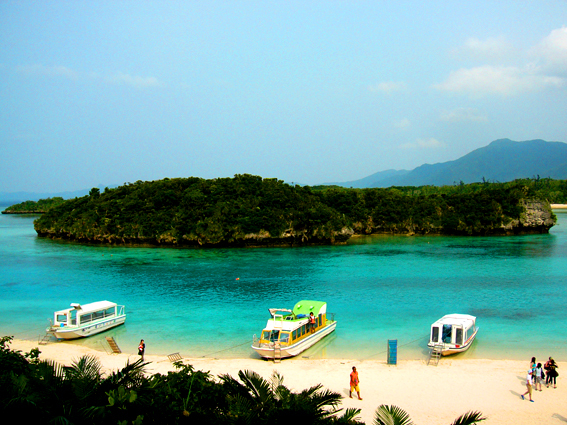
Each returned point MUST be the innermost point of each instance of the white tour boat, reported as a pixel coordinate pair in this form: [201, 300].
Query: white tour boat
[453, 333]
[289, 332]
[84, 320]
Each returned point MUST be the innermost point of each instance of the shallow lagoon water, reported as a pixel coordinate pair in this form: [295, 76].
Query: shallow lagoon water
[210, 302]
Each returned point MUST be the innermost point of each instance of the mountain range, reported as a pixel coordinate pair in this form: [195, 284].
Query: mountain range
[502, 160]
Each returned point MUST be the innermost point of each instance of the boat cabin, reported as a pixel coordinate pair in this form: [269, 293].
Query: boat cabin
[290, 326]
[79, 315]
[453, 329]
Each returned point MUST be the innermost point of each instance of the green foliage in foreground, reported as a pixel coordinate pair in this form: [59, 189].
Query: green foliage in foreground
[39, 391]
[249, 210]
[41, 206]
[393, 415]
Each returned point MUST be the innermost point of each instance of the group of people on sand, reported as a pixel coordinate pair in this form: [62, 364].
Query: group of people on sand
[536, 375]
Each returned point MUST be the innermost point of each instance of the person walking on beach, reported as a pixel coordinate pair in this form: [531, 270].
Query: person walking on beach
[142, 349]
[552, 374]
[529, 382]
[354, 381]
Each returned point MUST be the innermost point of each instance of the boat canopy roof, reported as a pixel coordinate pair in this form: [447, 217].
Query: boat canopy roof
[279, 310]
[464, 320]
[308, 306]
[98, 305]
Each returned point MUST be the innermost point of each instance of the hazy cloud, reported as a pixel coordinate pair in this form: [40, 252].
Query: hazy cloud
[48, 71]
[551, 52]
[502, 80]
[388, 87]
[430, 143]
[462, 114]
[135, 80]
[548, 68]
[488, 49]
[403, 123]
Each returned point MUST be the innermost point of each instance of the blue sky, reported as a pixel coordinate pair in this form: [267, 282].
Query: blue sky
[107, 92]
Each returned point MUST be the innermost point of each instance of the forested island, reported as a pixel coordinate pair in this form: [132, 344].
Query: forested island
[34, 207]
[248, 210]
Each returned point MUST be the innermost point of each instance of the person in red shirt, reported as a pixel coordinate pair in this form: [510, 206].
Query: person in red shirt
[354, 383]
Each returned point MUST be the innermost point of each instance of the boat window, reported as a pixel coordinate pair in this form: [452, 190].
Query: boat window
[86, 318]
[447, 333]
[266, 335]
[61, 318]
[434, 334]
[110, 312]
[284, 338]
[294, 335]
[459, 336]
[73, 315]
[274, 336]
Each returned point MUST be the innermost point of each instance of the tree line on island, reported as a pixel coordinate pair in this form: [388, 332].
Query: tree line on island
[33, 390]
[248, 210]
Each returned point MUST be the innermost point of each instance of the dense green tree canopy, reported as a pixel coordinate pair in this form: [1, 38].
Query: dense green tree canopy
[248, 210]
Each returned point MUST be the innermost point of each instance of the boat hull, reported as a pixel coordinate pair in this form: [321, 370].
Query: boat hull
[87, 330]
[267, 350]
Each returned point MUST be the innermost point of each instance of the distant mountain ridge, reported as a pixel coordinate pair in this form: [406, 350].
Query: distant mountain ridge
[501, 161]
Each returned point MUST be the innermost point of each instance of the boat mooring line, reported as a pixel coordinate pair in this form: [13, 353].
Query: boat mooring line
[402, 345]
[226, 349]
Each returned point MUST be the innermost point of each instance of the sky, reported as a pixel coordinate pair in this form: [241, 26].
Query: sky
[108, 92]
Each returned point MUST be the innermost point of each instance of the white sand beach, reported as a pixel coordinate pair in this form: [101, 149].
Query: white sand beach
[430, 394]
[558, 206]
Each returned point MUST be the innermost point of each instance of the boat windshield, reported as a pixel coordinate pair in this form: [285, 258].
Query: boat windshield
[447, 333]
[270, 335]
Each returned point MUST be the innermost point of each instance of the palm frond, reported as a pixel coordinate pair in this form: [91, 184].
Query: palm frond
[349, 417]
[469, 418]
[391, 415]
[50, 372]
[88, 367]
[258, 386]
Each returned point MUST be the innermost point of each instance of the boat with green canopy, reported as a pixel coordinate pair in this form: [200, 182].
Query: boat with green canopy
[290, 332]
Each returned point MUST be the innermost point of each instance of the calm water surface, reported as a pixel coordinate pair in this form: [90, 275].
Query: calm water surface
[210, 302]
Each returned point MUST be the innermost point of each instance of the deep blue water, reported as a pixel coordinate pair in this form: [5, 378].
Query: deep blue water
[380, 287]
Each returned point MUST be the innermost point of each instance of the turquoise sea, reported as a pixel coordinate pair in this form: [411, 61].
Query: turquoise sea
[210, 302]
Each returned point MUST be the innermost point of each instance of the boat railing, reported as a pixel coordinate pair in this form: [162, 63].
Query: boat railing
[332, 316]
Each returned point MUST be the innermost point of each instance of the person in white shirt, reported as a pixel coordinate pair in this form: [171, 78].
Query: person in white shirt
[529, 383]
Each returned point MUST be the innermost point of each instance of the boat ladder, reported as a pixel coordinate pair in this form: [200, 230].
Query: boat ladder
[435, 355]
[113, 345]
[277, 352]
[44, 339]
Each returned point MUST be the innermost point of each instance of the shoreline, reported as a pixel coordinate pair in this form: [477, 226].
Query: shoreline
[430, 394]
